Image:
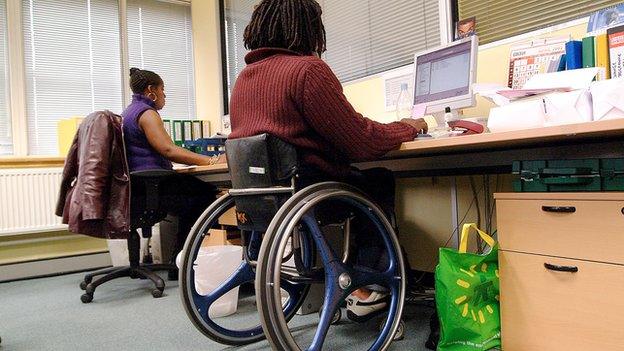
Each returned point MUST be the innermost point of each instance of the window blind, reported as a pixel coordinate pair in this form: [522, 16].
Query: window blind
[6, 147]
[365, 37]
[72, 64]
[237, 16]
[160, 40]
[500, 19]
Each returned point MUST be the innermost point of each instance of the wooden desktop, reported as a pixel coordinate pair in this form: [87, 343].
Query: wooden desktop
[485, 153]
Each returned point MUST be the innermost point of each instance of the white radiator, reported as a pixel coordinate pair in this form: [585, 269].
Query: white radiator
[28, 200]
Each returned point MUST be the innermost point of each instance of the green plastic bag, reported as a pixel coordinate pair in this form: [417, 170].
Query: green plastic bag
[467, 294]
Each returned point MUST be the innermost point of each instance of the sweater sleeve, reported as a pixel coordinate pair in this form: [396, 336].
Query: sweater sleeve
[328, 112]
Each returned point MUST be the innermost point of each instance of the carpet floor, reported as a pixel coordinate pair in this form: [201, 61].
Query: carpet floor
[46, 314]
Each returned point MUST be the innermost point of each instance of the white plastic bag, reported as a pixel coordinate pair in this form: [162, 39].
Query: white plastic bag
[213, 266]
[118, 248]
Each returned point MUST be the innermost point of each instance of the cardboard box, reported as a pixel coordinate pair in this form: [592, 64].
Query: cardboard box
[218, 237]
[228, 218]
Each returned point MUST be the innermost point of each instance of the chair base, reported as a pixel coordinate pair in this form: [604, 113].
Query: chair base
[143, 271]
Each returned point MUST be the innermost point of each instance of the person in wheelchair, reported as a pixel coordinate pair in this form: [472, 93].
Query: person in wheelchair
[149, 147]
[288, 91]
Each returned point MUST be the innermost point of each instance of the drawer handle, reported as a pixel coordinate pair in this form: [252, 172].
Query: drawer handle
[569, 269]
[559, 209]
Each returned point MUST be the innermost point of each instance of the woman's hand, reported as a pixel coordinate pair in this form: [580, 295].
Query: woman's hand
[221, 159]
[154, 129]
[419, 124]
[213, 160]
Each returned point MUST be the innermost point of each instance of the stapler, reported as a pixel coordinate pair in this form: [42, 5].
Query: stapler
[464, 127]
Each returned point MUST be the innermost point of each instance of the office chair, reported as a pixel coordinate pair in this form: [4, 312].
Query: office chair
[146, 211]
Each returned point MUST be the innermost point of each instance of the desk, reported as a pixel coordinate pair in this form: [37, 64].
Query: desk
[485, 153]
[490, 153]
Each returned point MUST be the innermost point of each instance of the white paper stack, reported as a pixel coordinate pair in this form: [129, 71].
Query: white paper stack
[566, 100]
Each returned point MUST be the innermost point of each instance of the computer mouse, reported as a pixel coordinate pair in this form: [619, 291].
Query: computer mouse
[422, 136]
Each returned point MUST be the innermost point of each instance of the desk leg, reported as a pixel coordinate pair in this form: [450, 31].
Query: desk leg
[454, 214]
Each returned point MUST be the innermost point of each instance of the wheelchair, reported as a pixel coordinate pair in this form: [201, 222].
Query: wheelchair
[295, 238]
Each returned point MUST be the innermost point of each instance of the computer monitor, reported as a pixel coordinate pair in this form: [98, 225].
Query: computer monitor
[443, 77]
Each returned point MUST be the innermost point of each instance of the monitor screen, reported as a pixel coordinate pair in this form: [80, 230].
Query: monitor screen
[443, 74]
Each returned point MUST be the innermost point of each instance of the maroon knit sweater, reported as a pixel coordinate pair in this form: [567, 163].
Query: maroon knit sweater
[299, 99]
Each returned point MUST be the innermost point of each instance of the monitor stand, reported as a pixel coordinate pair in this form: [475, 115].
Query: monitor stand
[442, 129]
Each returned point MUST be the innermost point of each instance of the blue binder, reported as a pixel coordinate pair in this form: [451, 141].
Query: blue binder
[574, 54]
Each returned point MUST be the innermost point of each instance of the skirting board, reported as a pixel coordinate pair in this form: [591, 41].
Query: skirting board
[54, 266]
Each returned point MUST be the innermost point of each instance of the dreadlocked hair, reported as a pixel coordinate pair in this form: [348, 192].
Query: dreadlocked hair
[140, 79]
[290, 24]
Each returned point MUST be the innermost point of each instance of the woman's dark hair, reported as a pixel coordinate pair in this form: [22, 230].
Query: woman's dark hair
[290, 24]
[140, 79]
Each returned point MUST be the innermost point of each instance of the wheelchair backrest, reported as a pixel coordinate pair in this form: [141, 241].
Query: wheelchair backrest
[260, 162]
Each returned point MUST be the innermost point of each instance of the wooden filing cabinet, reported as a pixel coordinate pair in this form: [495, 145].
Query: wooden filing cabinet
[561, 271]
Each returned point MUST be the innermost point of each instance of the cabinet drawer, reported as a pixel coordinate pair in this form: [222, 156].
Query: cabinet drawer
[591, 230]
[543, 309]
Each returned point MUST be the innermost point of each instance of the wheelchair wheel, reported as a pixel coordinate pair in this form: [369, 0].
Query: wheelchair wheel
[242, 327]
[341, 274]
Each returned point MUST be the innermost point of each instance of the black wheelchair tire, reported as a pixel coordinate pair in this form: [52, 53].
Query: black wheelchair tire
[212, 213]
[273, 326]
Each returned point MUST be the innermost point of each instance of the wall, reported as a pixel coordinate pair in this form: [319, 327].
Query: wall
[426, 225]
[367, 95]
[31, 247]
[207, 52]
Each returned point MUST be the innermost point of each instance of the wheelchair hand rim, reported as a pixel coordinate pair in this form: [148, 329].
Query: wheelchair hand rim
[300, 205]
[192, 301]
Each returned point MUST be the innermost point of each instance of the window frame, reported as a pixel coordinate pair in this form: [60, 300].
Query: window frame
[224, 63]
[17, 105]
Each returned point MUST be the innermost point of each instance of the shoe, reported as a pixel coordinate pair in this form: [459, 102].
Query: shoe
[362, 310]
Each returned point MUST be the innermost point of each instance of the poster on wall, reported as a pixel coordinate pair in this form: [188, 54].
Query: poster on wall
[466, 28]
[536, 56]
[606, 18]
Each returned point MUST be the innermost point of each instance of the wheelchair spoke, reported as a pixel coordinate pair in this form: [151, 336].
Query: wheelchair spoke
[243, 274]
[395, 290]
[253, 248]
[333, 298]
[329, 257]
[295, 292]
[389, 278]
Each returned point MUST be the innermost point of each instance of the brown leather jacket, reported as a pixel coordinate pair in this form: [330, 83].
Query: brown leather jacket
[95, 191]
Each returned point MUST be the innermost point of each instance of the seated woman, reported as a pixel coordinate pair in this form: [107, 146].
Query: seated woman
[287, 90]
[148, 146]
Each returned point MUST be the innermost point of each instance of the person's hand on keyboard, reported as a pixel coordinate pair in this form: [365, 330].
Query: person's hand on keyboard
[420, 124]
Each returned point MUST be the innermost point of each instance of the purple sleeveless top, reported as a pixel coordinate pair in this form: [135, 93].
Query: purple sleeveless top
[141, 155]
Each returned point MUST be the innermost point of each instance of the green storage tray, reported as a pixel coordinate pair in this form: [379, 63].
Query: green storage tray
[569, 175]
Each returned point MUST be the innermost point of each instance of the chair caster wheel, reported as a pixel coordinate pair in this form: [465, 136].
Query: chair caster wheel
[157, 293]
[400, 333]
[86, 298]
[335, 318]
[83, 285]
